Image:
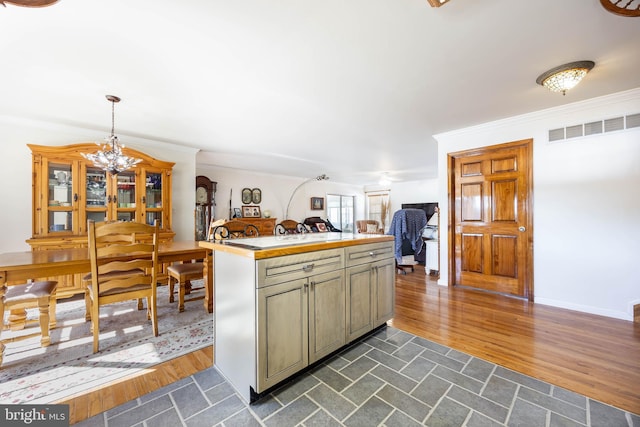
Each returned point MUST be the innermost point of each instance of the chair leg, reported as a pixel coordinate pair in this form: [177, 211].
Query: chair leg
[43, 307]
[87, 303]
[171, 289]
[181, 293]
[95, 325]
[154, 314]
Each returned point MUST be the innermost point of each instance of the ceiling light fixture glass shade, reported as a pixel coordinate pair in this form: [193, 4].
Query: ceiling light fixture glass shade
[110, 157]
[565, 77]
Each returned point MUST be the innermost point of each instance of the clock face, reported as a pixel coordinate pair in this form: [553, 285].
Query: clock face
[201, 195]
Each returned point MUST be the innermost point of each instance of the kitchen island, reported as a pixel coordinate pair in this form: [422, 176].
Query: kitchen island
[282, 303]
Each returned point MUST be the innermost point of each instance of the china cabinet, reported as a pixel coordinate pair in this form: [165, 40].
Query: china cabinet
[68, 190]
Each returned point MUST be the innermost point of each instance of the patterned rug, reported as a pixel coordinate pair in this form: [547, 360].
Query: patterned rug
[30, 373]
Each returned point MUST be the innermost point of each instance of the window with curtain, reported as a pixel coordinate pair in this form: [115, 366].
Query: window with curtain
[378, 207]
[340, 211]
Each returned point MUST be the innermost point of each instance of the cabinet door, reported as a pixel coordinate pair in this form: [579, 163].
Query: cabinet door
[123, 195]
[153, 198]
[59, 209]
[358, 297]
[94, 206]
[383, 291]
[282, 332]
[326, 314]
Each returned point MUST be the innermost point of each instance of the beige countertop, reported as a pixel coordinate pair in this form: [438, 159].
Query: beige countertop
[273, 246]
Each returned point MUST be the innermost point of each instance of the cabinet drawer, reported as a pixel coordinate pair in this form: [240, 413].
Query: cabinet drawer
[290, 267]
[361, 254]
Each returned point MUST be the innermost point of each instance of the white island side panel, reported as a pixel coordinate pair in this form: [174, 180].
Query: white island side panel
[235, 323]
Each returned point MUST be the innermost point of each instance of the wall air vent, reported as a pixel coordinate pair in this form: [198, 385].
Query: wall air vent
[595, 128]
[611, 125]
[556, 134]
[592, 128]
[574, 131]
[633, 121]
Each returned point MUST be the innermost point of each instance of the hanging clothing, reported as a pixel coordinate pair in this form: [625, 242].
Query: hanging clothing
[407, 224]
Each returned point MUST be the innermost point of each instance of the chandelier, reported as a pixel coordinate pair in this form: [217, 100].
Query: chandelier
[564, 77]
[110, 157]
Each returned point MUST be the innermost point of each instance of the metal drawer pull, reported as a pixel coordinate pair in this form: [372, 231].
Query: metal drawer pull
[307, 268]
[372, 254]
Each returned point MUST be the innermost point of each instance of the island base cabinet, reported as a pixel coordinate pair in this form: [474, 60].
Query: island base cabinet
[299, 322]
[326, 314]
[359, 297]
[370, 296]
[282, 332]
[383, 279]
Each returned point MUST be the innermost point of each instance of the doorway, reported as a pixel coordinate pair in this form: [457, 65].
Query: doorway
[490, 209]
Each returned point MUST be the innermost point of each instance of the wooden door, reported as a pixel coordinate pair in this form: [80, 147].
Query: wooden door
[491, 215]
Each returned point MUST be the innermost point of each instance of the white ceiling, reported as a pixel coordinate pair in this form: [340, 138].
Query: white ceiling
[302, 87]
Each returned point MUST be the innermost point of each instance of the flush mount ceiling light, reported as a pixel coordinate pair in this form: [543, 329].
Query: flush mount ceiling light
[29, 3]
[110, 157]
[437, 3]
[564, 77]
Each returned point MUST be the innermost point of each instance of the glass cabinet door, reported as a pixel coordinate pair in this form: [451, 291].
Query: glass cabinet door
[95, 195]
[153, 197]
[124, 198]
[60, 212]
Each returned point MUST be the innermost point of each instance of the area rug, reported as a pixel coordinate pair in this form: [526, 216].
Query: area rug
[30, 373]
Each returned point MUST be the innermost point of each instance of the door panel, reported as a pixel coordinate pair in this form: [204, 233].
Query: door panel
[491, 193]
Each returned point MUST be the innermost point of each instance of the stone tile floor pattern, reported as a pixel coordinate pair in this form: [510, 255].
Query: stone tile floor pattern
[390, 378]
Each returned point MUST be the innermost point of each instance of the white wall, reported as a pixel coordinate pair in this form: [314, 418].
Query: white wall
[586, 208]
[276, 191]
[424, 191]
[15, 173]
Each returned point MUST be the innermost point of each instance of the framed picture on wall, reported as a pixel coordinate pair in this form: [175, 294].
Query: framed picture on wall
[317, 203]
[237, 213]
[251, 212]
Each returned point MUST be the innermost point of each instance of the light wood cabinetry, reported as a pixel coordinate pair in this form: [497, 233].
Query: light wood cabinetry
[283, 312]
[265, 226]
[68, 190]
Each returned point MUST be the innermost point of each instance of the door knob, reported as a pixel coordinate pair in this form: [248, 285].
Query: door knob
[522, 228]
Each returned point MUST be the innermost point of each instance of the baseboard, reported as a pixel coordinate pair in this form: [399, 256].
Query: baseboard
[585, 309]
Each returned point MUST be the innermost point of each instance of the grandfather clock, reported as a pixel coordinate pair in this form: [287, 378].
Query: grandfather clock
[205, 205]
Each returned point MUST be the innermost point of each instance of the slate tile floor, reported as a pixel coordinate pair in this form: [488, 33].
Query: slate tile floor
[390, 378]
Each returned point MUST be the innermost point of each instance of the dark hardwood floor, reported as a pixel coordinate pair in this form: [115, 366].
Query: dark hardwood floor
[592, 355]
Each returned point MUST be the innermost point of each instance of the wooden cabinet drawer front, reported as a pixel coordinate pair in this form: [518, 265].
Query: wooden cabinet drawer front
[360, 254]
[277, 270]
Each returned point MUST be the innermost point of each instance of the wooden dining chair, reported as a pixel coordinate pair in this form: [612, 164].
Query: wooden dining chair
[29, 295]
[122, 239]
[121, 270]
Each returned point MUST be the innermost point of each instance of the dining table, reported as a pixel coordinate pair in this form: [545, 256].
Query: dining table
[18, 267]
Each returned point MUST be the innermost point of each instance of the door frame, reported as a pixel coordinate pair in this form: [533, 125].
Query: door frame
[453, 263]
